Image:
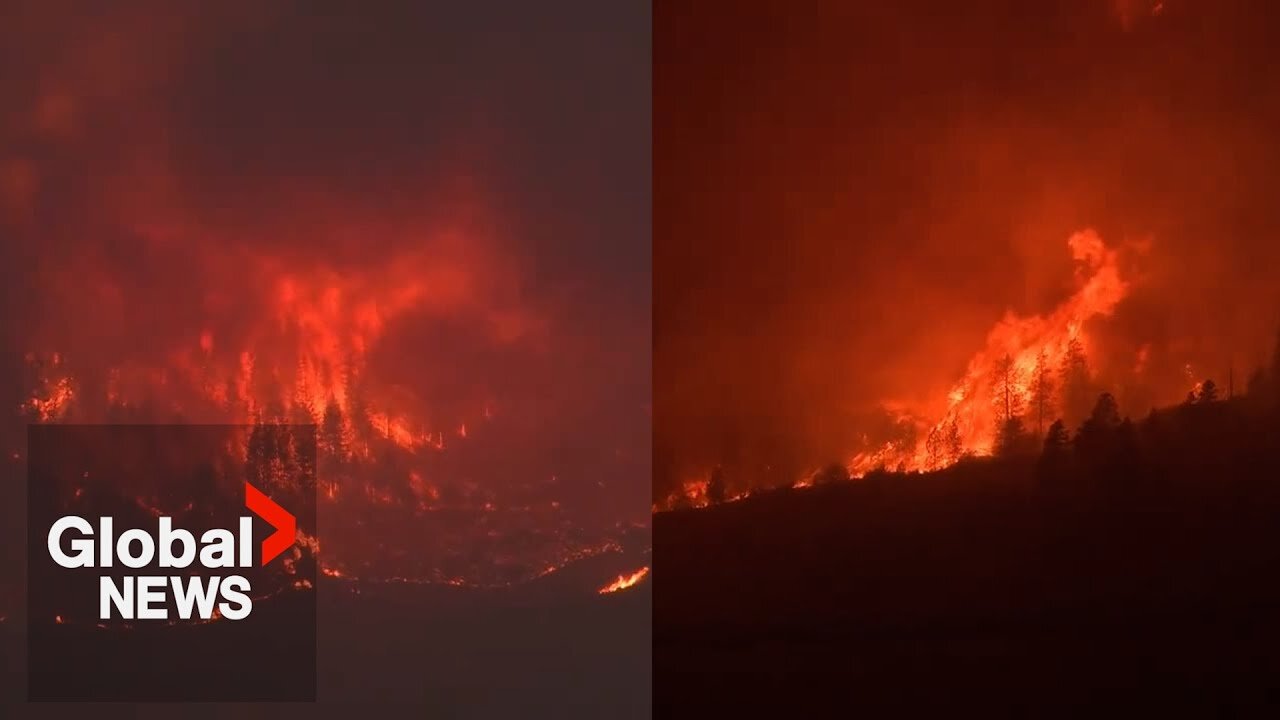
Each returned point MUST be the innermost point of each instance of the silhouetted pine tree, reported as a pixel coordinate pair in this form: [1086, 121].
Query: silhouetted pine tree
[1106, 412]
[1013, 439]
[1095, 441]
[331, 447]
[1041, 389]
[715, 486]
[1054, 463]
[934, 449]
[1008, 396]
[303, 453]
[1074, 375]
[332, 438]
[357, 404]
[952, 441]
[1208, 392]
[1058, 440]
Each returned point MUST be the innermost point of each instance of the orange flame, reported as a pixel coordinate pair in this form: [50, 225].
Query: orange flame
[625, 581]
[308, 354]
[1015, 346]
[691, 494]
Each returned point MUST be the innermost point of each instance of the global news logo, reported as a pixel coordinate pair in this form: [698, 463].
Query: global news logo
[74, 543]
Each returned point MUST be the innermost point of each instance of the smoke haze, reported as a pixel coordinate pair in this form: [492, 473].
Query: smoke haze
[850, 196]
[455, 194]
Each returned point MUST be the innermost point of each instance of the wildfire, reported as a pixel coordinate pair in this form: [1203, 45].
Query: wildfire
[625, 581]
[401, 321]
[1015, 375]
[691, 494]
[1032, 371]
[696, 493]
[288, 343]
[291, 344]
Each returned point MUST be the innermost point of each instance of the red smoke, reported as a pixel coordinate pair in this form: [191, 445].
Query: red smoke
[212, 223]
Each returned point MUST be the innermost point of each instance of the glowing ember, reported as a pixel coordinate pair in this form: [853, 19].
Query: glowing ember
[625, 581]
[52, 401]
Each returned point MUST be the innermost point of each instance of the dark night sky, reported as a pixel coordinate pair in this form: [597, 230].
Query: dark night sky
[850, 194]
[153, 142]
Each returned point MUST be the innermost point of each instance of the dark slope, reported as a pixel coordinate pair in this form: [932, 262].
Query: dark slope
[1150, 574]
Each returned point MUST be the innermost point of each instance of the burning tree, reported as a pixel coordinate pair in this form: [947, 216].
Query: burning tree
[1008, 386]
[952, 441]
[333, 437]
[1008, 390]
[935, 450]
[332, 446]
[1041, 390]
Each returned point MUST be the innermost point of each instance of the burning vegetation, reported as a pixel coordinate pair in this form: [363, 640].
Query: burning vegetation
[935, 255]
[1030, 387]
[383, 458]
[356, 254]
[411, 345]
[1032, 371]
[625, 581]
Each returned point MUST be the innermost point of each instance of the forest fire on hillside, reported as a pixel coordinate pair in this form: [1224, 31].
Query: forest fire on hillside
[405, 438]
[381, 255]
[1032, 371]
[305, 360]
[888, 255]
[306, 363]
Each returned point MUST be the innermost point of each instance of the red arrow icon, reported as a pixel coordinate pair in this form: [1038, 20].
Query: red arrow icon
[286, 525]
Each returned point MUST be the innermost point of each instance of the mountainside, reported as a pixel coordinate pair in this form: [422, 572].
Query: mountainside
[1142, 559]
